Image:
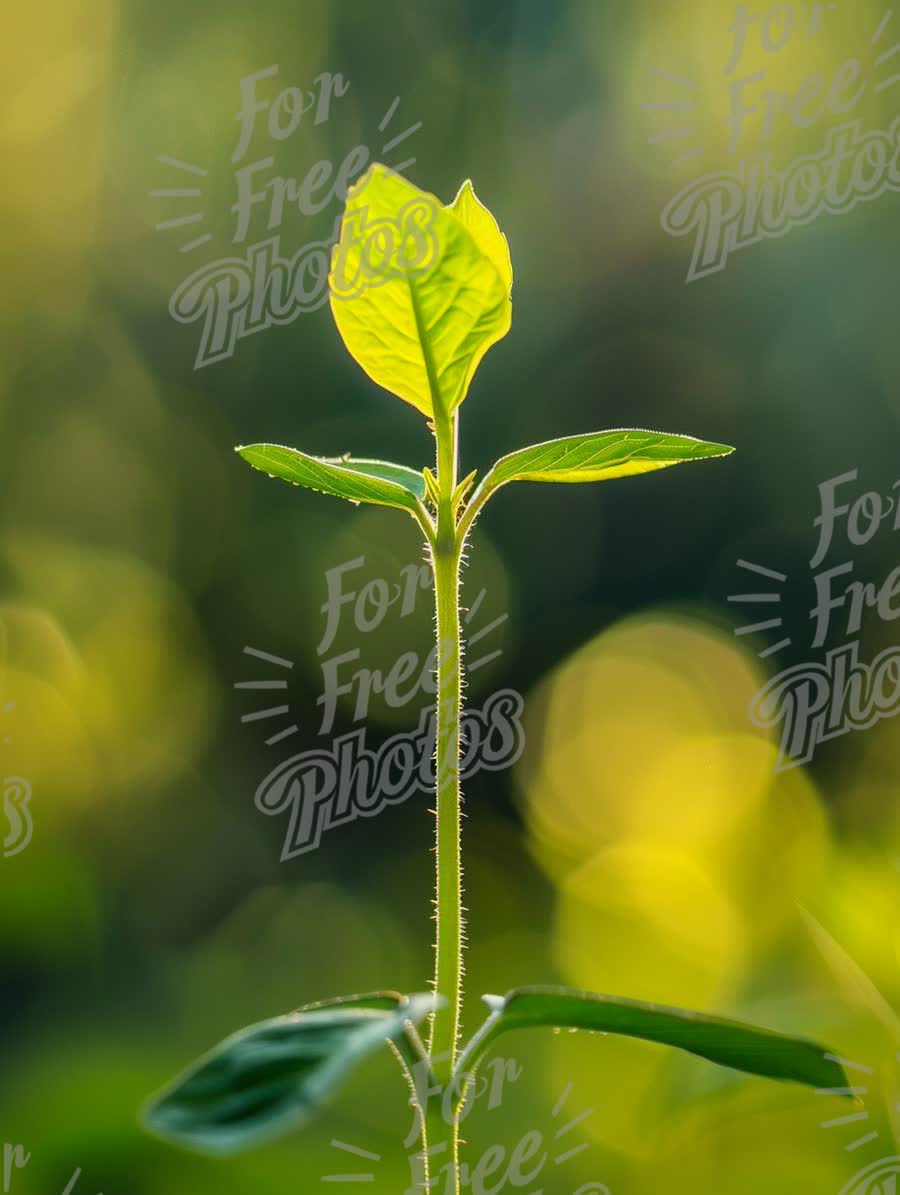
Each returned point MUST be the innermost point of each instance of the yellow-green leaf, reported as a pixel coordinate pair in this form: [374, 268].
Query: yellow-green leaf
[418, 291]
[485, 229]
[598, 456]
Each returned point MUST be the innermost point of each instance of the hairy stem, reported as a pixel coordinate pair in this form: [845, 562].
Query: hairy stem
[443, 1138]
[449, 945]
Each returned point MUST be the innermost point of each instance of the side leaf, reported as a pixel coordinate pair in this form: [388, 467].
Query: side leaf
[272, 1077]
[419, 291]
[377, 482]
[727, 1043]
[599, 456]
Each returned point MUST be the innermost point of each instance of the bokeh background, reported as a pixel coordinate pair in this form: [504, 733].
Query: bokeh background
[644, 844]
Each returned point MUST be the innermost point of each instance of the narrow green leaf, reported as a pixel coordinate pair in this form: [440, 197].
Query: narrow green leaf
[599, 456]
[727, 1043]
[272, 1077]
[462, 489]
[378, 482]
[858, 986]
[432, 489]
[419, 291]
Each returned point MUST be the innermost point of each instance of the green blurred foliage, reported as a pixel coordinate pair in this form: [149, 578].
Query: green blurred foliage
[644, 843]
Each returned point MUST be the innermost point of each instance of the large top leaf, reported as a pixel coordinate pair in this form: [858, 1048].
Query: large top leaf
[419, 291]
[728, 1043]
[271, 1077]
[378, 482]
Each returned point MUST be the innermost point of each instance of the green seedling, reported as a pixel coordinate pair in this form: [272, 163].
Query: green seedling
[419, 293]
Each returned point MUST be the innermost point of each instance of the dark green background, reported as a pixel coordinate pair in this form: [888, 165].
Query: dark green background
[644, 844]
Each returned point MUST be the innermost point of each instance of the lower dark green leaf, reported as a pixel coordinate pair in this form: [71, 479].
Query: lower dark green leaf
[273, 1076]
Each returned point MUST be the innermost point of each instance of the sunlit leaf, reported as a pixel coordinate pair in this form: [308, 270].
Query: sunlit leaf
[485, 229]
[600, 456]
[728, 1043]
[419, 293]
[378, 482]
[272, 1077]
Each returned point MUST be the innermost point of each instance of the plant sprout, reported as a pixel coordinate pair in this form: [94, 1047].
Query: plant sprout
[419, 292]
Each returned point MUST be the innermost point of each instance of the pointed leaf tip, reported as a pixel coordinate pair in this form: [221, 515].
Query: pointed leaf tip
[481, 223]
